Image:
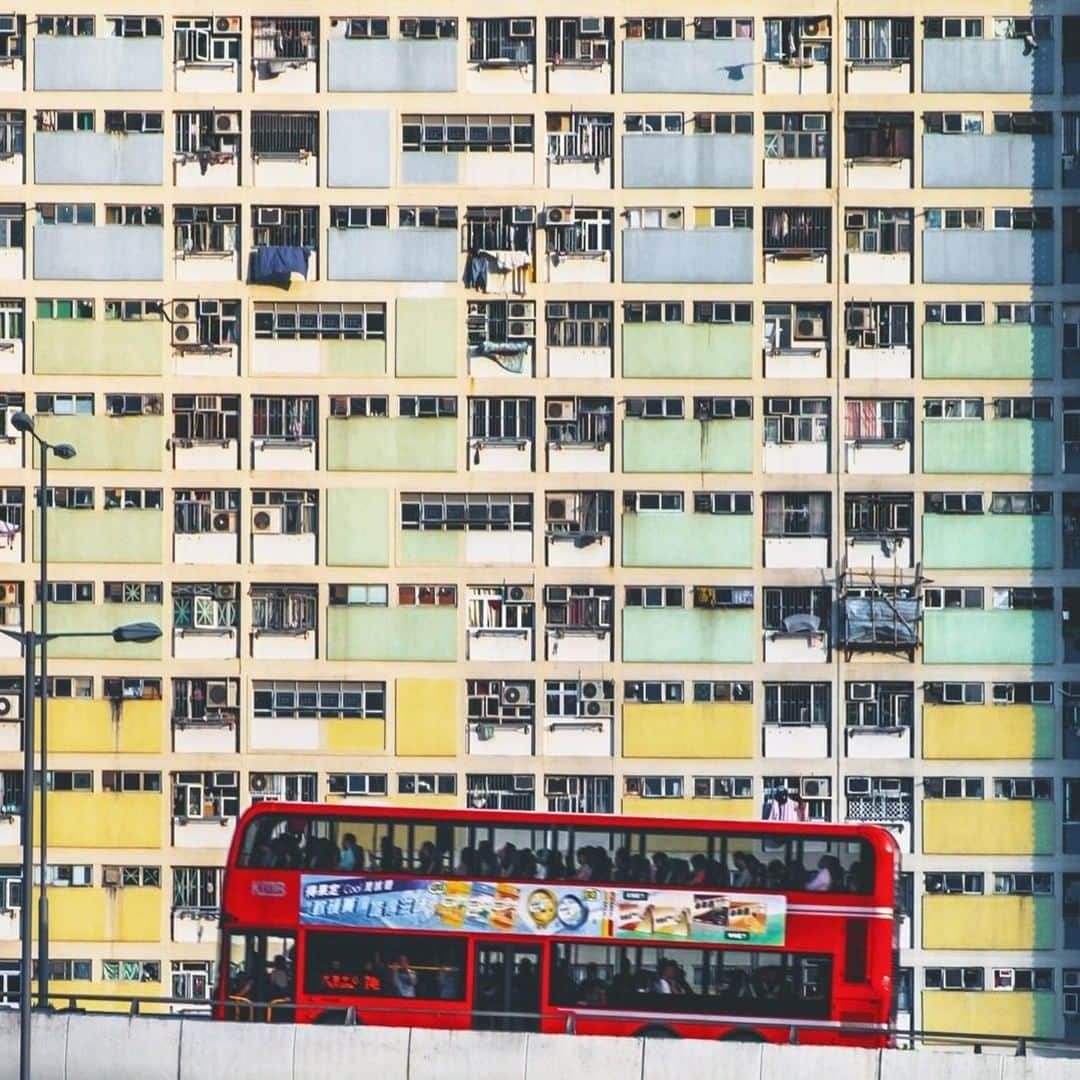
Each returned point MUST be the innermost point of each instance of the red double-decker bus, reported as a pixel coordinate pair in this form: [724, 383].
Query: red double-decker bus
[555, 922]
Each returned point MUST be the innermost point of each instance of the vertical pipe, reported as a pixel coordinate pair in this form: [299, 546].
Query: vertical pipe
[43, 848]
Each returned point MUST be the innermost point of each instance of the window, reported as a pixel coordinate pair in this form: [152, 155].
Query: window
[575, 699]
[427, 217]
[653, 692]
[1023, 123]
[877, 138]
[358, 596]
[570, 515]
[66, 780]
[798, 704]
[441, 133]
[1024, 217]
[953, 978]
[578, 324]
[954, 218]
[585, 232]
[578, 608]
[203, 511]
[428, 29]
[884, 232]
[1026, 693]
[953, 408]
[644, 501]
[132, 498]
[67, 970]
[213, 702]
[723, 408]
[119, 689]
[937, 597]
[11, 323]
[501, 322]
[205, 40]
[326, 699]
[879, 705]
[972, 884]
[1041, 599]
[656, 29]
[1037, 314]
[1022, 502]
[64, 309]
[954, 313]
[499, 701]
[198, 795]
[796, 420]
[285, 512]
[724, 312]
[723, 596]
[796, 610]
[655, 408]
[427, 595]
[723, 123]
[654, 596]
[953, 787]
[723, 691]
[68, 498]
[953, 502]
[796, 228]
[68, 592]
[878, 41]
[427, 406]
[370, 405]
[953, 123]
[582, 42]
[936, 27]
[65, 875]
[65, 120]
[717, 29]
[66, 25]
[871, 516]
[1024, 884]
[499, 228]
[1024, 408]
[127, 877]
[284, 419]
[670, 123]
[653, 787]
[1024, 788]
[878, 420]
[500, 420]
[284, 609]
[723, 502]
[472, 511]
[206, 418]
[277, 38]
[800, 41]
[579, 136]
[357, 784]
[723, 217]
[953, 693]
[427, 784]
[653, 312]
[502, 41]
[796, 514]
[285, 226]
[208, 607]
[1038, 29]
[142, 971]
[116, 214]
[796, 135]
[113, 780]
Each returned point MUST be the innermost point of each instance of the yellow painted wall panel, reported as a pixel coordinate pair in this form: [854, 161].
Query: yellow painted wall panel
[427, 802]
[105, 819]
[113, 989]
[988, 731]
[988, 922]
[705, 730]
[988, 827]
[98, 726]
[77, 914]
[426, 721]
[359, 736]
[988, 1013]
[713, 809]
[135, 914]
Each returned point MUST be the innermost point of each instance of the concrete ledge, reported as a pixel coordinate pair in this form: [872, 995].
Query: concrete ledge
[124, 1047]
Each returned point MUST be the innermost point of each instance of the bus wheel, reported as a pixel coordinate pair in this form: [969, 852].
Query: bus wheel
[656, 1032]
[742, 1035]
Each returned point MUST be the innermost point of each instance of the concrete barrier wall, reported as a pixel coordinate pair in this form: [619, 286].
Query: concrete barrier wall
[85, 1047]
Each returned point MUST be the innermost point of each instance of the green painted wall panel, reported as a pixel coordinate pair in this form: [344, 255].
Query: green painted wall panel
[996, 351]
[392, 444]
[357, 527]
[662, 446]
[98, 347]
[974, 636]
[428, 331]
[657, 539]
[366, 358]
[130, 443]
[687, 351]
[101, 536]
[688, 636]
[987, 541]
[1020, 447]
[431, 547]
[90, 618]
[381, 633]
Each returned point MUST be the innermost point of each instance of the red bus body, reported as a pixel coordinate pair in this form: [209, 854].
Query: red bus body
[851, 935]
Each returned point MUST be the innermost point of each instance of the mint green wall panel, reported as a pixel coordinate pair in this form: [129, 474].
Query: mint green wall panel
[714, 446]
[366, 357]
[1019, 447]
[987, 541]
[130, 443]
[965, 636]
[98, 347]
[357, 527]
[688, 636]
[384, 633]
[431, 547]
[101, 536]
[392, 444]
[995, 351]
[428, 332]
[657, 539]
[89, 618]
[687, 351]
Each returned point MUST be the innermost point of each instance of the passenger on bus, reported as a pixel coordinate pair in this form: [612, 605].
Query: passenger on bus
[661, 869]
[584, 868]
[743, 877]
[775, 875]
[592, 991]
[403, 978]
[829, 876]
[427, 859]
[467, 865]
[487, 860]
[352, 855]
[507, 858]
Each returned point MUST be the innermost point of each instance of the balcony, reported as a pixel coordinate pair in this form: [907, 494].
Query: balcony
[98, 63]
[707, 730]
[986, 66]
[688, 540]
[678, 350]
[98, 347]
[399, 66]
[688, 161]
[392, 633]
[102, 536]
[107, 443]
[988, 732]
[690, 256]
[969, 636]
[687, 446]
[426, 715]
[688, 636]
[393, 255]
[358, 143]
[988, 161]
[988, 541]
[86, 157]
[997, 351]
[102, 819]
[392, 444]
[988, 447]
[988, 827]
[99, 252]
[83, 618]
[988, 256]
[688, 67]
[102, 914]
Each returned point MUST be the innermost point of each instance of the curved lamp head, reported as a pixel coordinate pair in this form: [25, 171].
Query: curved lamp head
[64, 451]
[137, 633]
[22, 421]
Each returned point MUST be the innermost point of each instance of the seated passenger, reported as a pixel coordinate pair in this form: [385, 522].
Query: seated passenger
[828, 877]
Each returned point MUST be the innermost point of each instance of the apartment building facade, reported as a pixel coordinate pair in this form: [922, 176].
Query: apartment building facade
[793, 300]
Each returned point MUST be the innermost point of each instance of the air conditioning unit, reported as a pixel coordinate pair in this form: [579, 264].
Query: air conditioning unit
[267, 519]
[857, 785]
[9, 592]
[557, 508]
[862, 691]
[259, 782]
[224, 215]
[814, 122]
[220, 694]
[227, 123]
[523, 783]
[558, 215]
[182, 310]
[855, 219]
[592, 690]
[227, 24]
[590, 25]
[110, 877]
[809, 328]
[520, 330]
[560, 409]
[222, 522]
[558, 310]
[522, 215]
[7, 24]
[521, 28]
[1003, 979]
[517, 594]
[857, 317]
[9, 706]
[1071, 979]
[813, 28]
[1068, 161]
[890, 785]
[814, 787]
[268, 215]
[556, 785]
[209, 307]
[516, 694]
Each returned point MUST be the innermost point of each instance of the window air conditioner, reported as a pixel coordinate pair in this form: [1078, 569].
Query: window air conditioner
[560, 409]
[890, 785]
[1003, 693]
[858, 317]
[224, 215]
[814, 788]
[556, 594]
[855, 219]
[7, 24]
[110, 877]
[555, 785]
[522, 215]
[268, 215]
[558, 311]
[516, 693]
[1003, 979]
[521, 28]
[523, 783]
[220, 693]
[869, 339]
[558, 509]
[222, 522]
[861, 691]
[858, 785]
[592, 690]
[9, 706]
[809, 328]
[267, 519]
[590, 25]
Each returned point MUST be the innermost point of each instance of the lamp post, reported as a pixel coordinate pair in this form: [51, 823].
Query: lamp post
[23, 422]
[131, 633]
